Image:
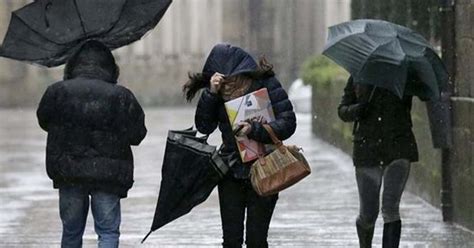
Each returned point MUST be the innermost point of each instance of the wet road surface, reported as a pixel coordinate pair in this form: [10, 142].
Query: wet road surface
[318, 212]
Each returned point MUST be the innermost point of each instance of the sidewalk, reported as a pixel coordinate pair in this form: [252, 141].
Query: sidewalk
[318, 212]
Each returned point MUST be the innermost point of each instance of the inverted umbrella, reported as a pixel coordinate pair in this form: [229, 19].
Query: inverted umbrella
[191, 170]
[47, 31]
[383, 54]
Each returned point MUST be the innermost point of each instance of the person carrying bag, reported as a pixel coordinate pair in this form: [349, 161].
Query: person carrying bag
[280, 169]
[229, 73]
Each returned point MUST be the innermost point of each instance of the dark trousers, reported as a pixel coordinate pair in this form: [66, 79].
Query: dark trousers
[370, 181]
[236, 196]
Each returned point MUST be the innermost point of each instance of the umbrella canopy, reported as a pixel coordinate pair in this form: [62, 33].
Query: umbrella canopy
[384, 54]
[191, 170]
[46, 32]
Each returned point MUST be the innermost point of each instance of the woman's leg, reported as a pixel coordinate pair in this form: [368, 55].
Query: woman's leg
[232, 206]
[259, 214]
[395, 178]
[73, 209]
[369, 181]
[107, 217]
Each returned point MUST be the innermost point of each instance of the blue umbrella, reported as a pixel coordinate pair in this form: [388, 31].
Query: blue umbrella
[384, 54]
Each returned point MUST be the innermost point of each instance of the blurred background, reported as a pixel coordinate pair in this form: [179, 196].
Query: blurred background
[285, 31]
[291, 34]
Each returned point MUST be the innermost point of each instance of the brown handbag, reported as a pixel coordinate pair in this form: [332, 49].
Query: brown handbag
[278, 170]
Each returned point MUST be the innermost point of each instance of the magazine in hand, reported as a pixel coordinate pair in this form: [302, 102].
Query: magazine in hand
[255, 106]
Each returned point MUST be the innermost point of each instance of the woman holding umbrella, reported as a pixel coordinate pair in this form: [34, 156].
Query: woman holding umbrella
[389, 64]
[228, 73]
[384, 147]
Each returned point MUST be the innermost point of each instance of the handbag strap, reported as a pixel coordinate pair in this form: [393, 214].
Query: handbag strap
[272, 135]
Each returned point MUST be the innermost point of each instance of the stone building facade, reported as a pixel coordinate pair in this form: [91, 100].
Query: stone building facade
[285, 31]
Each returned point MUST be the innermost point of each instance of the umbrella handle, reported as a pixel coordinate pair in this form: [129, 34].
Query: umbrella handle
[372, 93]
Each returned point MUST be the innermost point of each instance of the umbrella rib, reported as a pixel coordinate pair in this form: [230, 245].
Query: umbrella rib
[34, 31]
[34, 44]
[416, 42]
[118, 19]
[386, 43]
[80, 18]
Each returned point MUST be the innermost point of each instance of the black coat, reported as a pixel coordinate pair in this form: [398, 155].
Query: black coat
[382, 128]
[211, 113]
[91, 123]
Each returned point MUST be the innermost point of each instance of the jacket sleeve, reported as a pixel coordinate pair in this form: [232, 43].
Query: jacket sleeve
[137, 130]
[206, 118]
[46, 108]
[349, 110]
[285, 119]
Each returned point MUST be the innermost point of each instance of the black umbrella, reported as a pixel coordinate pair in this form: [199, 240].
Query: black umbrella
[47, 31]
[191, 170]
[383, 54]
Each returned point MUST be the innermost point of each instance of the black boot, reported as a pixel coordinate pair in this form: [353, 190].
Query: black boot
[391, 234]
[365, 236]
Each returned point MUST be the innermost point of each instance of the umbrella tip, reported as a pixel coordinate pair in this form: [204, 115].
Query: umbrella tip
[146, 236]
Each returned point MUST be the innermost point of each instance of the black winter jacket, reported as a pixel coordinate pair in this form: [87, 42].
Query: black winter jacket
[91, 124]
[211, 113]
[382, 128]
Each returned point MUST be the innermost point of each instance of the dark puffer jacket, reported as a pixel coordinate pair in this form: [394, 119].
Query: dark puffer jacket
[211, 113]
[382, 128]
[91, 123]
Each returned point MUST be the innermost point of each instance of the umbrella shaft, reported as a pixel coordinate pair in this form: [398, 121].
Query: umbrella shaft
[372, 93]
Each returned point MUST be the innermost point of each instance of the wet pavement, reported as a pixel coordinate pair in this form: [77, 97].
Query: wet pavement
[318, 212]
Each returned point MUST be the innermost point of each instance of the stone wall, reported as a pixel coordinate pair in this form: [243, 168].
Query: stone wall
[286, 31]
[463, 112]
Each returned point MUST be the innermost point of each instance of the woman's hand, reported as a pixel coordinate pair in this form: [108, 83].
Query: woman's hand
[245, 128]
[216, 81]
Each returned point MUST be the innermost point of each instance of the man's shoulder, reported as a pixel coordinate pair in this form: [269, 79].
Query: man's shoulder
[79, 84]
[55, 86]
[123, 88]
[124, 91]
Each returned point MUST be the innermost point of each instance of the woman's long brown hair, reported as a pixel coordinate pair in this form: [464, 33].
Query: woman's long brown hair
[198, 81]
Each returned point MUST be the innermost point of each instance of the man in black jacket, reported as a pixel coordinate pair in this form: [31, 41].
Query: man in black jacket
[91, 123]
[384, 147]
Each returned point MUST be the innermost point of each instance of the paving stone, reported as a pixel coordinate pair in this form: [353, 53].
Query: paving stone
[318, 212]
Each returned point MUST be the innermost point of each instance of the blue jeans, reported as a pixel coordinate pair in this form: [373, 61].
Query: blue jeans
[73, 209]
